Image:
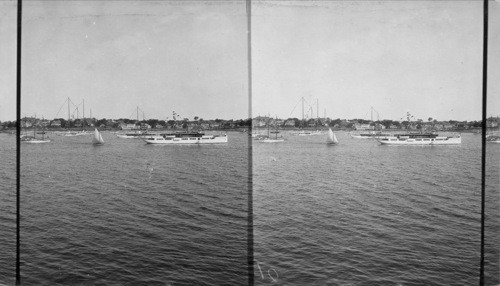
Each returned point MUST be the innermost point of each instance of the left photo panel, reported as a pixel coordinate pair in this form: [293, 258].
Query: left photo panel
[134, 143]
[8, 32]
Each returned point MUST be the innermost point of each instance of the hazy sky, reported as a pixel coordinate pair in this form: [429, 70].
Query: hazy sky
[422, 57]
[188, 57]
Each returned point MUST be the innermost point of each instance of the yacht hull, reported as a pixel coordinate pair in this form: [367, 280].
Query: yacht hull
[206, 139]
[418, 141]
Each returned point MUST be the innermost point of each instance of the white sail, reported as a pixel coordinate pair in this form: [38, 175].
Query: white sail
[332, 139]
[97, 139]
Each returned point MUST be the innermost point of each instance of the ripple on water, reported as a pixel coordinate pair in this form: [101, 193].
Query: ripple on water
[366, 214]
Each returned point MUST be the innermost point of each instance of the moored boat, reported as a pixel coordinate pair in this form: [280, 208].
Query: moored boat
[72, 133]
[420, 139]
[268, 138]
[308, 133]
[185, 138]
[370, 135]
[133, 135]
[33, 140]
[493, 139]
[271, 140]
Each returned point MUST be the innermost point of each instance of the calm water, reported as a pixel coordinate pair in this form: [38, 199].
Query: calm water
[354, 214]
[7, 209]
[365, 214]
[130, 213]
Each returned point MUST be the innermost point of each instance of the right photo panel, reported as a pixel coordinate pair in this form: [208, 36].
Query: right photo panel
[367, 143]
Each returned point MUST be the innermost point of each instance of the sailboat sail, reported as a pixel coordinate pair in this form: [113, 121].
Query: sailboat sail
[97, 139]
[332, 139]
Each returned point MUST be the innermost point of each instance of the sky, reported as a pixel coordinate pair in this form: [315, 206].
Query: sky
[187, 57]
[422, 57]
[190, 57]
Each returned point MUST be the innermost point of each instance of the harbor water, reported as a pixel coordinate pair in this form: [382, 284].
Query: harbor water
[357, 213]
[126, 213]
[361, 213]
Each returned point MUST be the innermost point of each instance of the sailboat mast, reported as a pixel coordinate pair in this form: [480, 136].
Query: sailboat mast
[276, 127]
[68, 111]
[317, 109]
[83, 108]
[268, 122]
[302, 110]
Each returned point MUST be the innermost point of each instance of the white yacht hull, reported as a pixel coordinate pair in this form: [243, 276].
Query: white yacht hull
[36, 141]
[125, 136]
[421, 141]
[206, 139]
[370, 136]
[308, 133]
[73, 134]
[272, 140]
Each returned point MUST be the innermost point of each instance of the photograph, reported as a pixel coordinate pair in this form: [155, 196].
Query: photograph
[249, 142]
[367, 143]
[134, 146]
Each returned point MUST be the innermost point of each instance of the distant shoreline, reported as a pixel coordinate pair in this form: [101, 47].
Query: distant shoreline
[243, 129]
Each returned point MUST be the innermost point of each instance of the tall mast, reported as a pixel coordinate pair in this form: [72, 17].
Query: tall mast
[268, 125]
[43, 130]
[317, 109]
[68, 111]
[83, 108]
[371, 114]
[302, 110]
[276, 127]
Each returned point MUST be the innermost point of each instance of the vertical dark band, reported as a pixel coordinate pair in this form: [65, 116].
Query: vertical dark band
[483, 143]
[18, 143]
[250, 156]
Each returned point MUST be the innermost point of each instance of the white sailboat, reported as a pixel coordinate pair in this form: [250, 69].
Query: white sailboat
[97, 139]
[332, 139]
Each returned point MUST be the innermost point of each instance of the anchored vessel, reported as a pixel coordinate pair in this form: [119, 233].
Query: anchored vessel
[185, 138]
[133, 135]
[73, 133]
[33, 139]
[276, 139]
[273, 140]
[420, 139]
[307, 133]
[493, 138]
[370, 135]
